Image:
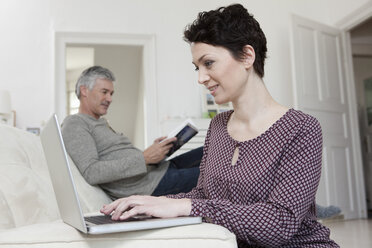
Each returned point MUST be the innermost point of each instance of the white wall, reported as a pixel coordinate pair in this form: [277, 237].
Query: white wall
[27, 45]
[26, 59]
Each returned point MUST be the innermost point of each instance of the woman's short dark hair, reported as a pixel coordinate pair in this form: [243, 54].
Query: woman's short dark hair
[231, 27]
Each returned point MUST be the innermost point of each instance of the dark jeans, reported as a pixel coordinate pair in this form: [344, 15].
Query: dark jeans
[182, 174]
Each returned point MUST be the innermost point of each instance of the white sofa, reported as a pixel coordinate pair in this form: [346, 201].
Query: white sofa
[29, 215]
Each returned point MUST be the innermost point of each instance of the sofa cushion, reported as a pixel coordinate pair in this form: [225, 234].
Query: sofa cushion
[6, 216]
[27, 198]
[91, 197]
[26, 194]
[26, 191]
[58, 234]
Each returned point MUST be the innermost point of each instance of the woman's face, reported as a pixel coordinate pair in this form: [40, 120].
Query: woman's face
[223, 75]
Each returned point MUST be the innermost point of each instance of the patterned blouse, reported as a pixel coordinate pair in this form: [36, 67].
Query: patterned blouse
[267, 198]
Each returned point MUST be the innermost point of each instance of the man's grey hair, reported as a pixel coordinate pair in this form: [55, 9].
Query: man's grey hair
[89, 76]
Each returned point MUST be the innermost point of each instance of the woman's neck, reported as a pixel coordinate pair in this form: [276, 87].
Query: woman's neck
[254, 101]
[255, 111]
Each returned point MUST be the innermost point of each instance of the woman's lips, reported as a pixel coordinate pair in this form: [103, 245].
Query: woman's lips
[213, 89]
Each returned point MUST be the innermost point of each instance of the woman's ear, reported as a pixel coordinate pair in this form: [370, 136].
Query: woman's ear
[249, 56]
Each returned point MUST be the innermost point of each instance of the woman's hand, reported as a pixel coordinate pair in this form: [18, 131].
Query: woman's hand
[162, 207]
[157, 151]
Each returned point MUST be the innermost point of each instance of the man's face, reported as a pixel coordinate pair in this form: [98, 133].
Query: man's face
[99, 98]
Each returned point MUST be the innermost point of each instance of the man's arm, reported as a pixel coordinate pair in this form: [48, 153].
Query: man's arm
[82, 148]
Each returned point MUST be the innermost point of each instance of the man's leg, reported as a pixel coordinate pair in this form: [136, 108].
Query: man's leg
[177, 181]
[188, 159]
[182, 174]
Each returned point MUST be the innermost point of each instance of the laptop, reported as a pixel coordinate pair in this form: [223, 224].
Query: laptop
[68, 200]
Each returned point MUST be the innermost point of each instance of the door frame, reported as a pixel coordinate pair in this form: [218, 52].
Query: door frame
[346, 24]
[150, 95]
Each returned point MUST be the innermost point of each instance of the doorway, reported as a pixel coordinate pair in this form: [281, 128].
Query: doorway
[132, 59]
[361, 46]
[126, 64]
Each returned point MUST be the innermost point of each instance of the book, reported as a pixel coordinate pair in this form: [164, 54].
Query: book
[183, 133]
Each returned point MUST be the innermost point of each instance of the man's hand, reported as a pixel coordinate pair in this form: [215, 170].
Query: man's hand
[157, 151]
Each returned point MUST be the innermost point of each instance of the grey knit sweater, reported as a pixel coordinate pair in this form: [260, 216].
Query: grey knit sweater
[108, 159]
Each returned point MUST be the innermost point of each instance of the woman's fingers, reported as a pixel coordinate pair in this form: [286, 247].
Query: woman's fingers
[109, 208]
[120, 206]
[137, 210]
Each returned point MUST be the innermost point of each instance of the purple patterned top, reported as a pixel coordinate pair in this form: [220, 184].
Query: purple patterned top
[268, 197]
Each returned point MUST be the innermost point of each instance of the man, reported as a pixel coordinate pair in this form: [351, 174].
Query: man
[108, 159]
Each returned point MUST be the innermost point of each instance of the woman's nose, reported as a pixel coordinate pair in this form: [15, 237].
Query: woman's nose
[203, 77]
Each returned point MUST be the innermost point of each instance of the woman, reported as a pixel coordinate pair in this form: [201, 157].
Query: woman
[261, 162]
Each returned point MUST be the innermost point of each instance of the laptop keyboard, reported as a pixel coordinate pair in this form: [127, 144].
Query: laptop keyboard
[106, 219]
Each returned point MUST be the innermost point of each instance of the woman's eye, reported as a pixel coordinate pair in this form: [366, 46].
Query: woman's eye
[196, 68]
[208, 63]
